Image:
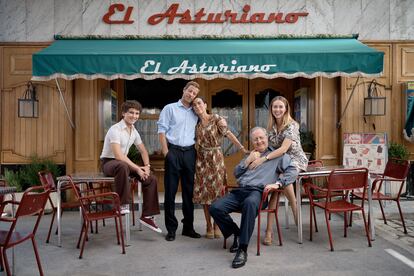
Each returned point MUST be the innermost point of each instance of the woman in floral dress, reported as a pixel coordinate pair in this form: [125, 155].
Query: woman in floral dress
[284, 138]
[210, 175]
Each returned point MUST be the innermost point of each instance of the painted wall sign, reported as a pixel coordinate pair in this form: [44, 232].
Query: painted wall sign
[201, 17]
[153, 67]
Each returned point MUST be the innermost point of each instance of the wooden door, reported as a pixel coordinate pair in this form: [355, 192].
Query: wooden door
[229, 98]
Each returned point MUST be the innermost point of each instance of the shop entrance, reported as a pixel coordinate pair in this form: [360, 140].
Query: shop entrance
[242, 102]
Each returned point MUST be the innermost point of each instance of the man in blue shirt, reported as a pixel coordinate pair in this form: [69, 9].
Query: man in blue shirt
[246, 198]
[176, 130]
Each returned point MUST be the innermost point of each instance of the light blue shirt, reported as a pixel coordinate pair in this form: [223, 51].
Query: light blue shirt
[178, 123]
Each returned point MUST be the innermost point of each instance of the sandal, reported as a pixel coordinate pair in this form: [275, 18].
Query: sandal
[217, 233]
[268, 240]
[210, 234]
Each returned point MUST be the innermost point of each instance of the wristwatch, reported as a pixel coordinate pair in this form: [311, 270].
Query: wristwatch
[267, 157]
[147, 165]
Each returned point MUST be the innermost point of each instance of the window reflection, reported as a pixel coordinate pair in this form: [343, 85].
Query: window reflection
[153, 95]
[262, 102]
[228, 104]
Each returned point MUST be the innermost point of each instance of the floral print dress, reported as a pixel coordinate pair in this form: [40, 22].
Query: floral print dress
[210, 173]
[295, 150]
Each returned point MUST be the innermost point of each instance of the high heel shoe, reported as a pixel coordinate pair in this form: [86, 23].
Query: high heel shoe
[268, 240]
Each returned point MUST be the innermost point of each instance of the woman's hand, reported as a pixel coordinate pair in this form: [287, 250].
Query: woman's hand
[256, 163]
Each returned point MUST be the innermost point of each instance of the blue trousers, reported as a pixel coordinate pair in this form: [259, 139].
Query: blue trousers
[246, 200]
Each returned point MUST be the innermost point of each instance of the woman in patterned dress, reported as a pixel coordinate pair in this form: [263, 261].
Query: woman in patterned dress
[210, 175]
[284, 137]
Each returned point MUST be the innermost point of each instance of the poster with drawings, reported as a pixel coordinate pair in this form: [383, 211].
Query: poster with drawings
[365, 150]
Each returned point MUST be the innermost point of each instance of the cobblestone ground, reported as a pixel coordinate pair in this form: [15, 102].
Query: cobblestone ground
[395, 229]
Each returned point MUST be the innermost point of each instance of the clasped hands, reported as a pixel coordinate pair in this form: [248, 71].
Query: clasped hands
[254, 160]
[143, 172]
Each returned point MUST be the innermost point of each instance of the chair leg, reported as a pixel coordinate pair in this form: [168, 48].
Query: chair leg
[345, 224]
[51, 225]
[279, 233]
[311, 213]
[382, 211]
[84, 239]
[117, 234]
[329, 230]
[1, 260]
[122, 234]
[401, 215]
[5, 262]
[80, 235]
[366, 228]
[314, 219]
[39, 264]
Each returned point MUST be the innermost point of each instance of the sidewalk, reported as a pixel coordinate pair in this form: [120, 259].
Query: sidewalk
[150, 254]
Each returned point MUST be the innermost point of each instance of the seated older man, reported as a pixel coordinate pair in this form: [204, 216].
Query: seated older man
[247, 197]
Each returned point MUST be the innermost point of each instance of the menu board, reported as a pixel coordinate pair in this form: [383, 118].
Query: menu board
[367, 150]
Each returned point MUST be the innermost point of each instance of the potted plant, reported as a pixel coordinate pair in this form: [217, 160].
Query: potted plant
[26, 176]
[398, 151]
[308, 144]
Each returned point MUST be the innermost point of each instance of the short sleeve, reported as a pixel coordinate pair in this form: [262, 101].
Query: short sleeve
[138, 139]
[291, 132]
[114, 136]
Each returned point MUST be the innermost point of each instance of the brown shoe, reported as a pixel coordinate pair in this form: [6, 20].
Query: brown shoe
[268, 240]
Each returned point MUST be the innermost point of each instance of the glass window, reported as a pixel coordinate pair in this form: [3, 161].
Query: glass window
[228, 104]
[262, 102]
[153, 95]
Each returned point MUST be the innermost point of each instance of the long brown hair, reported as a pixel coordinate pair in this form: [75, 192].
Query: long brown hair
[286, 120]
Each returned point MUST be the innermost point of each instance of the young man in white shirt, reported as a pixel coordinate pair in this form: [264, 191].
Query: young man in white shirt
[115, 162]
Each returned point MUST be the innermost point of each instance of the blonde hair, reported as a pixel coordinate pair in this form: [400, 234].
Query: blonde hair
[286, 120]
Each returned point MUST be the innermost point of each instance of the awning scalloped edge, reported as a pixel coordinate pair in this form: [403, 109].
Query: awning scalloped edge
[203, 76]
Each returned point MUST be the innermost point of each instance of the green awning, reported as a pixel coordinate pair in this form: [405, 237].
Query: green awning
[208, 59]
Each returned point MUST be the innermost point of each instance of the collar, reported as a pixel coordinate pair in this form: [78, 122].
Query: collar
[123, 125]
[180, 104]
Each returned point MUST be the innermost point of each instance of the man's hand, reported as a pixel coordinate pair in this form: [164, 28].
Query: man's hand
[257, 162]
[142, 173]
[147, 170]
[273, 186]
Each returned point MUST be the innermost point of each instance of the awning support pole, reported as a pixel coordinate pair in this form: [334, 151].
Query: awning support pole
[64, 104]
[338, 125]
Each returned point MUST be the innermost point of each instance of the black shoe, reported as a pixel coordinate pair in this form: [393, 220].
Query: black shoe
[170, 236]
[235, 246]
[191, 233]
[240, 259]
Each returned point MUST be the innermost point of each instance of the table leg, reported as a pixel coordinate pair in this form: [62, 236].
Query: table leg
[371, 221]
[127, 229]
[139, 205]
[299, 208]
[59, 211]
[286, 213]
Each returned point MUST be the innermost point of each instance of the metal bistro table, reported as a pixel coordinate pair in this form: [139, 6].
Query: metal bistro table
[90, 178]
[325, 171]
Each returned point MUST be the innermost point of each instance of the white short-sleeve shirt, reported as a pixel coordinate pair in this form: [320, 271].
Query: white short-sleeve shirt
[118, 134]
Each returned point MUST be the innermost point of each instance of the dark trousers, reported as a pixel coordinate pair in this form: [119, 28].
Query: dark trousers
[246, 200]
[179, 163]
[121, 172]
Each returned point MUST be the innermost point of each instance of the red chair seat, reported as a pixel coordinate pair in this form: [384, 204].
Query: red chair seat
[337, 206]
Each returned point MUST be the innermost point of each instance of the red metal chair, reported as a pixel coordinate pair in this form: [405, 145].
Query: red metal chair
[263, 209]
[344, 181]
[32, 204]
[48, 182]
[94, 214]
[396, 171]
[316, 196]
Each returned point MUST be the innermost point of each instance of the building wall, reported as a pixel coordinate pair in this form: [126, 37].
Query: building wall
[39, 20]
